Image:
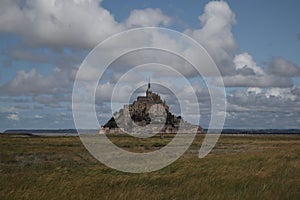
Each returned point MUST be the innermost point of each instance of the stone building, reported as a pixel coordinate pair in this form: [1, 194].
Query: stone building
[145, 110]
[144, 106]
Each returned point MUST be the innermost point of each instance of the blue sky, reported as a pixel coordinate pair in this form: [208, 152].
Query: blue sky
[265, 28]
[43, 43]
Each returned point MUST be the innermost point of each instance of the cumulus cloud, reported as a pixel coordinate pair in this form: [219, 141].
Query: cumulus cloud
[278, 74]
[254, 90]
[13, 117]
[147, 17]
[254, 81]
[33, 83]
[249, 74]
[296, 91]
[282, 67]
[266, 100]
[57, 23]
[68, 23]
[38, 116]
[238, 70]
[215, 34]
[53, 101]
[284, 93]
[81, 24]
[245, 61]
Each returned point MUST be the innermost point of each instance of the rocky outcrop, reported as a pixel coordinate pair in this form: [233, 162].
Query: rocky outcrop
[147, 114]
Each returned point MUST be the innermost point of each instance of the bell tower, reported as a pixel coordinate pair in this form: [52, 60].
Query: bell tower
[148, 89]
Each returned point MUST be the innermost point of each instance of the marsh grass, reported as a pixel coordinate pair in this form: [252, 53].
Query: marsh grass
[260, 167]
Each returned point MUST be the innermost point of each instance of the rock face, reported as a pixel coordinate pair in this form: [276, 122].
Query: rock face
[147, 114]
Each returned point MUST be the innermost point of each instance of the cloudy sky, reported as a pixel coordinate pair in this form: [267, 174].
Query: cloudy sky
[255, 44]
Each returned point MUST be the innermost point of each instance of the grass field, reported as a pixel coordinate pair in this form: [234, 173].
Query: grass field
[239, 167]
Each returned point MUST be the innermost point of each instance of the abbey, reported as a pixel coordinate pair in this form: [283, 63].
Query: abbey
[145, 111]
[139, 109]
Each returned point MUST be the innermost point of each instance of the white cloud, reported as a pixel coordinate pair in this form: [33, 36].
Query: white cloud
[38, 117]
[282, 67]
[284, 93]
[261, 109]
[278, 74]
[13, 117]
[7, 109]
[84, 23]
[215, 34]
[264, 81]
[254, 90]
[58, 23]
[296, 91]
[245, 60]
[53, 101]
[33, 83]
[147, 17]
[266, 100]
[235, 108]
[68, 23]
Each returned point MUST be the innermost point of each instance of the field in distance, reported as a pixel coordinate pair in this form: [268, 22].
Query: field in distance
[239, 167]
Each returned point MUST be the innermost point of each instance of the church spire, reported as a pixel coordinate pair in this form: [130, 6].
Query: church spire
[148, 89]
[149, 84]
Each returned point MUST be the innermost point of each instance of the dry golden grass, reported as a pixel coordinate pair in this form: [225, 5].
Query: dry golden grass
[260, 167]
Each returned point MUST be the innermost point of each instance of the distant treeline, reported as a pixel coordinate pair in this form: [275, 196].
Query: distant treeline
[49, 131]
[259, 131]
[70, 131]
[224, 131]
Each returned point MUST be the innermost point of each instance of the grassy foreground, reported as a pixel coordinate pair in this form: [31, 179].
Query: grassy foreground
[239, 167]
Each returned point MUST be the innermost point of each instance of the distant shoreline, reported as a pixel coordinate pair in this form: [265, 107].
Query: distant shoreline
[74, 132]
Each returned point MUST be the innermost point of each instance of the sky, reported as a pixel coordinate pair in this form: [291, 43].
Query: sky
[255, 44]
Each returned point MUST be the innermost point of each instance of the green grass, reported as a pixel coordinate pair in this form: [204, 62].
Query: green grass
[260, 167]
